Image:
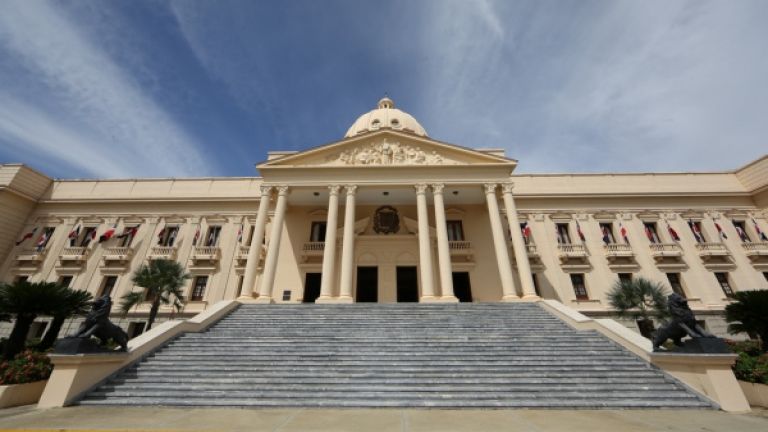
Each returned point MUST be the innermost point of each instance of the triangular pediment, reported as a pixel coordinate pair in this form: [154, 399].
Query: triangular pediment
[387, 148]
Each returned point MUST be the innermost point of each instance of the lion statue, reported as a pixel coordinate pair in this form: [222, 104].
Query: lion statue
[683, 323]
[97, 324]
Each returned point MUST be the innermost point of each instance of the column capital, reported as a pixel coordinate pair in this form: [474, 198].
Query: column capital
[490, 188]
[334, 189]
[421, 188]
[437, 188]
[507, 187]
[282, 189]
[351, 189]
[266, 189]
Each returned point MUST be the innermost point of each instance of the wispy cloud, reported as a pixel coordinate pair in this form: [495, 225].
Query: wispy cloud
[88, 111]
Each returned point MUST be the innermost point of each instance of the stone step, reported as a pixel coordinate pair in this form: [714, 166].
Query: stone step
[366, 379]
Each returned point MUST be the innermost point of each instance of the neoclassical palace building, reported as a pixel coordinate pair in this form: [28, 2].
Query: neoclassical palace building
[388, 214]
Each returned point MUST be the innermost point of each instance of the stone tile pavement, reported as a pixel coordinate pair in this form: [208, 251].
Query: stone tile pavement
[286, 420]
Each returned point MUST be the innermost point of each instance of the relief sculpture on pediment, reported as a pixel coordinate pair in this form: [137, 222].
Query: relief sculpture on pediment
[387, 153]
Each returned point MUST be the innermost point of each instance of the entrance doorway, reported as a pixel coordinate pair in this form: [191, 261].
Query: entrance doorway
[461, 288]
[311, 287]
[367, 285]
[407, 285]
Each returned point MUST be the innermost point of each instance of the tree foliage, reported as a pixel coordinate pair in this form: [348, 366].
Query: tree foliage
[163, 282]
[749, 314]
[638, 298]
[24, 302]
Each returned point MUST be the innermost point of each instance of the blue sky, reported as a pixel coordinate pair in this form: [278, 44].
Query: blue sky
[197, 88]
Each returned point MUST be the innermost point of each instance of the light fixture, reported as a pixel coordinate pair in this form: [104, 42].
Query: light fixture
[316, 193]
[385, 193]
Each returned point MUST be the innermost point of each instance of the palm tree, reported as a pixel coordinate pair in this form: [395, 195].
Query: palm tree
[24, 301]
[749, 314]
[73, 302]
[640, 299]
[162, 281]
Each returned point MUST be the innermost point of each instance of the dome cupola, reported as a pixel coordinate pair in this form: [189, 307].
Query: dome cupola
[385, 116]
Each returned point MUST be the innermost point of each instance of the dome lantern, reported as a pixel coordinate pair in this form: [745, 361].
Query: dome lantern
[385, 116]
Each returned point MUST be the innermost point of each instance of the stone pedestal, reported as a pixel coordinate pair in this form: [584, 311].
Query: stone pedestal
[78, 345]
[74, 374]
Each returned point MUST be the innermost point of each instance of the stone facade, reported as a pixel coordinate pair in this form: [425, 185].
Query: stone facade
[309, 228]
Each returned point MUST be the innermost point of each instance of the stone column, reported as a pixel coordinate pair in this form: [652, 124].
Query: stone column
[425, 253]
[254, 251]
[348, 247]
[329, 249]
[518, 243]
[270, 265]
[443, 251]
[500, 244]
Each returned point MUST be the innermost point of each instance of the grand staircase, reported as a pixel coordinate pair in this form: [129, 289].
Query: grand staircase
[399, 355]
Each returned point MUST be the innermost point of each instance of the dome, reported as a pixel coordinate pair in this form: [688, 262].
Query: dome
[385, 116]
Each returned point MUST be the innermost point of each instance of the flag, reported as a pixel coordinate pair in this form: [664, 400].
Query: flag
[673, 233]
[197, 236]
[108, 234]
[240, 234]
[623, 232]
[526, 231]
[742, 235]
[606, 235]
[43, 240]
[128, 232]
[720, 230]
[695, 231]
[649, 234]
[160, 236]
[93, 233]
[73, 235]
[27, 236]
[581, 234]
[757, 230]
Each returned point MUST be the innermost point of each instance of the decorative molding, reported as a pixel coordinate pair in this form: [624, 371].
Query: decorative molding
[334, 189]
[692, 215]
[282, 190]
[564, 217]
[421, 188]
[538, 217]
[604, 216]
[455, 211]
[386, 152]
[318, 212]
[351, 189]
[648, 216]
[581, 217]
[626, 216]
[437, 188]
[490, 188]
[507, 187]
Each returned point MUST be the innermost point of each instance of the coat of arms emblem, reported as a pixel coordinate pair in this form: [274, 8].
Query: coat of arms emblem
[386, 220]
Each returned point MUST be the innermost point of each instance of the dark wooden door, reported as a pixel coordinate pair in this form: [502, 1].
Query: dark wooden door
[367, 285]
[407, 285]
[461, 287]
[311, 287]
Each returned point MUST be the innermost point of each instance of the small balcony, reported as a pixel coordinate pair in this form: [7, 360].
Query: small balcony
[206, 253]
[312, 250]
[30, 258]
[572, 250]
[618, 250]
[73, 256]
[660, 251]
[162, 252]
[242, 253]
[532, 251]
[755, 250]
[710, 249]
[461, 250]
[117, 254]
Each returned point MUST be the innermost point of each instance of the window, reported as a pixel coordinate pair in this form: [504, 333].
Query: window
[562, 233]
[677, 286]
[240, 285]
[66, 281]
[129, 232]
[765, 275]
[625, 277]
[577, 279]
[198, 290]
[136, 328]
[249, 239]
[741, 230]
[168, 235]
[455, 230]
[722, 279]
[107, 285]
[527, 235]
[88, 234]
[213, 235]
[317, 232]
[286, 295]
[36, 330]
[606, 232]
[698, 234]
[651, 232]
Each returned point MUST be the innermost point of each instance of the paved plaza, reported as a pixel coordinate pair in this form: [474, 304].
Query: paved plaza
[284, 420]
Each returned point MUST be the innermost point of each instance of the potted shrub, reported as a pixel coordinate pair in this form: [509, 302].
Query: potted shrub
[23, 379]
[749, 314]
[640, 299]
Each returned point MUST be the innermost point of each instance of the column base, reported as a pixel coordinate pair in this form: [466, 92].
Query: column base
[325, 300]
[335, 300]
[429, 299]
[247, 300]
[264, 300]
[510, 298]
[531, 297]
[448, 299]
